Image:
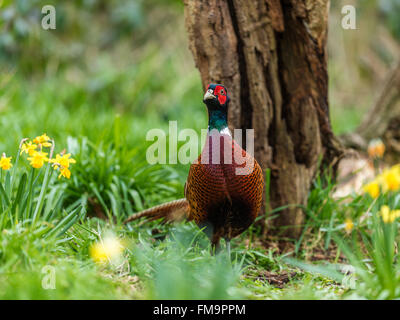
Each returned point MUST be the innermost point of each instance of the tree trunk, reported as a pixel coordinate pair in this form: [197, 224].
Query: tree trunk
[382, 121]
[271, 55]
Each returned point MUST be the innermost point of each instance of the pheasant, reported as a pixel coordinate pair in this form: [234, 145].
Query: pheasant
[223, 191]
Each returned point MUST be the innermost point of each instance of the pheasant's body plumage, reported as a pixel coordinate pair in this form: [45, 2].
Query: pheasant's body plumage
[224, 196]
[224, 187]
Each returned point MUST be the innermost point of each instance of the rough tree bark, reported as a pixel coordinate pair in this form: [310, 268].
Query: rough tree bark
[272, 57]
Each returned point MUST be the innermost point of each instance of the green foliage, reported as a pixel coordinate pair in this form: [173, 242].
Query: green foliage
[181, 267]
[24, 256]
[326, 214]
[73, 282]
[36, 202]
[118, 182]
[375, 257]
[25, 45]
[370, 247]
[391, 9]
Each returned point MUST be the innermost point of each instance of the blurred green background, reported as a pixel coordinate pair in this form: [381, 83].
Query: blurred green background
[132, 58]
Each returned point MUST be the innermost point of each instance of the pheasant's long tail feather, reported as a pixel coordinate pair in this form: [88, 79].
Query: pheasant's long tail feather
[171, 211]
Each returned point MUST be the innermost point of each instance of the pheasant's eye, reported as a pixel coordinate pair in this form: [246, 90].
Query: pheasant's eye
[222, 91]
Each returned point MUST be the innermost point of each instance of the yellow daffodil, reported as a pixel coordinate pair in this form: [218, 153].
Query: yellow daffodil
[376, 148]
[110, 249]
[64, 172]
[43, 140]
[391, 179]
[388, 180]
[63, 160]
[372, 189]
[5, 162]
[28, 148]
[348, 225]
[389, 216]
[38, 159]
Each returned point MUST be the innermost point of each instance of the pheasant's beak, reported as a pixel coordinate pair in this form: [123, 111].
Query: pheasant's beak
[209, 95]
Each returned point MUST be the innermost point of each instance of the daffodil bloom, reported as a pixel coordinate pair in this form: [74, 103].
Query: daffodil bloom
[391, 180]
[109, 249]
[63, 160]
[43, 140]
[38, 159]
[64, 172]
[372, 189]
[28, 148]
[389, 216]
[348, 225]
[5, 162]
[376, 148]
[388, 180]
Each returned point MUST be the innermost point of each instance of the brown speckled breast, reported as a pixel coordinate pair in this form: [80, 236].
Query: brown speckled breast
[224, 188]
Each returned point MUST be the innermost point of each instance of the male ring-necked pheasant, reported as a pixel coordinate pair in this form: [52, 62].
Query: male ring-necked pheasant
[223, 191]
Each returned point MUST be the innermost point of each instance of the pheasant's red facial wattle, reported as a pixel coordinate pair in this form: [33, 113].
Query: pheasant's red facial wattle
[220, 92]
[216, 95]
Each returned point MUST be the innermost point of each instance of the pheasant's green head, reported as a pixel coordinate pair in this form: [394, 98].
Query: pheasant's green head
[216, 98]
